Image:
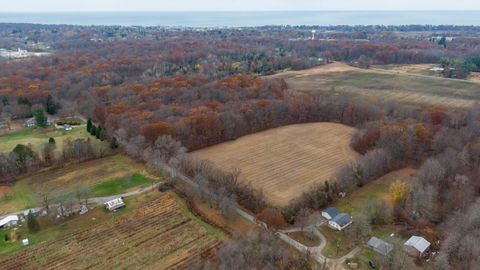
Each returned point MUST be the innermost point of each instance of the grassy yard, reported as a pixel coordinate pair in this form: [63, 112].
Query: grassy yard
[37, 137]
[337, 243]
[375, 190]
[101, 177]
[121, 185]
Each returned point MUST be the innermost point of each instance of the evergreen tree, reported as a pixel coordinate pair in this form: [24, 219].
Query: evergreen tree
[32, 223]
[5, 101]
[24, 101]
[40, 118]
[93, 130]
[6, 237]
[99, 132]
[89, 125]
[51, 106]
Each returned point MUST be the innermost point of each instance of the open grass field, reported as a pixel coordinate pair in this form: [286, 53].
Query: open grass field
[102, 177]
[384, 84]
[154, 233]
[375, 190]
[38, 137]
[285, 161]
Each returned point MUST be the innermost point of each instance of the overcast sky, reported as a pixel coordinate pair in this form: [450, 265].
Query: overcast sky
[233, 5]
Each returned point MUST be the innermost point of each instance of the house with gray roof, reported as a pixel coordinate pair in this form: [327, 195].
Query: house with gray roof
[330, 212]
[380, 246]
[340, 222]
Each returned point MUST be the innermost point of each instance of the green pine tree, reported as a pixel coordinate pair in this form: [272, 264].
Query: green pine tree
[93, 130]
[51, 106]
[89, 125]
[40, 118]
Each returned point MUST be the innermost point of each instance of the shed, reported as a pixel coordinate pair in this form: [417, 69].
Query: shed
[9, 221]
[25, 242]
[329, 213]
[416, 246]
[115, 204]
[380, 246]
[340, 222]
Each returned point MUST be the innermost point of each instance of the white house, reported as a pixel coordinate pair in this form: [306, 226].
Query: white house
[9, 221]
[330, 212]
[416, 246]
[115, 204]
[340, 222]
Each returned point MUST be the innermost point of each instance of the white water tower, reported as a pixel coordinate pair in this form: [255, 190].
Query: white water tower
[313, 34]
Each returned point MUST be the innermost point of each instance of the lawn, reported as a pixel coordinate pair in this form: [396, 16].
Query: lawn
[375, 190]
[37, 137]
[337, 243]
[121, 185]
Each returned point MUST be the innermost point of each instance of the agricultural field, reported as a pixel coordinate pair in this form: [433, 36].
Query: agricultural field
[153, 233]
[101, 177]
[381, 84]
[37, 137]
[285, 161]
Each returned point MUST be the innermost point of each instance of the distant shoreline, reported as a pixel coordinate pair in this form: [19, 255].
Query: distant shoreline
[245, 18]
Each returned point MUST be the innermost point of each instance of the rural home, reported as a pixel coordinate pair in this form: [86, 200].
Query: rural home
[9, 221]
[416, 246]
[67, 127]
[115, 204]
[340, 222]
[329, 213]
[379, 245]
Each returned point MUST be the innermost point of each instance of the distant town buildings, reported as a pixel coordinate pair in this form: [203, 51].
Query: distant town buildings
[19, 53]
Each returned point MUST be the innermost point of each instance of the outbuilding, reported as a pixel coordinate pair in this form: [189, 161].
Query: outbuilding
[416, 246]
[330, 213]
[380, 246]
[340, 222]
[115, 204]
[9, 221]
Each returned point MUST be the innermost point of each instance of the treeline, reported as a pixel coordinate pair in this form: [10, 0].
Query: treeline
[23, 160]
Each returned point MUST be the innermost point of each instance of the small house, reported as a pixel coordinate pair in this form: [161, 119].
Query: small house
[416, 246]
[9, 221]
[115, 204]
[67, 127]
[380, 246]
[330, 213]
[340, 222]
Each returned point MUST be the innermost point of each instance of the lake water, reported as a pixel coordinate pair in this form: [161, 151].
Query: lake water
[238, 19]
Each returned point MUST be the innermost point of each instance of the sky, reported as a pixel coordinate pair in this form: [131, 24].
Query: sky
[231, 5]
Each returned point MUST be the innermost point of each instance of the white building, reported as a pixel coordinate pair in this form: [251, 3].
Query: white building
[416, 246]
[115, 204]
[9, 221]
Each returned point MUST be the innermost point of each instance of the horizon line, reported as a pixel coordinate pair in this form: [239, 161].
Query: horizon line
[291, 10]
